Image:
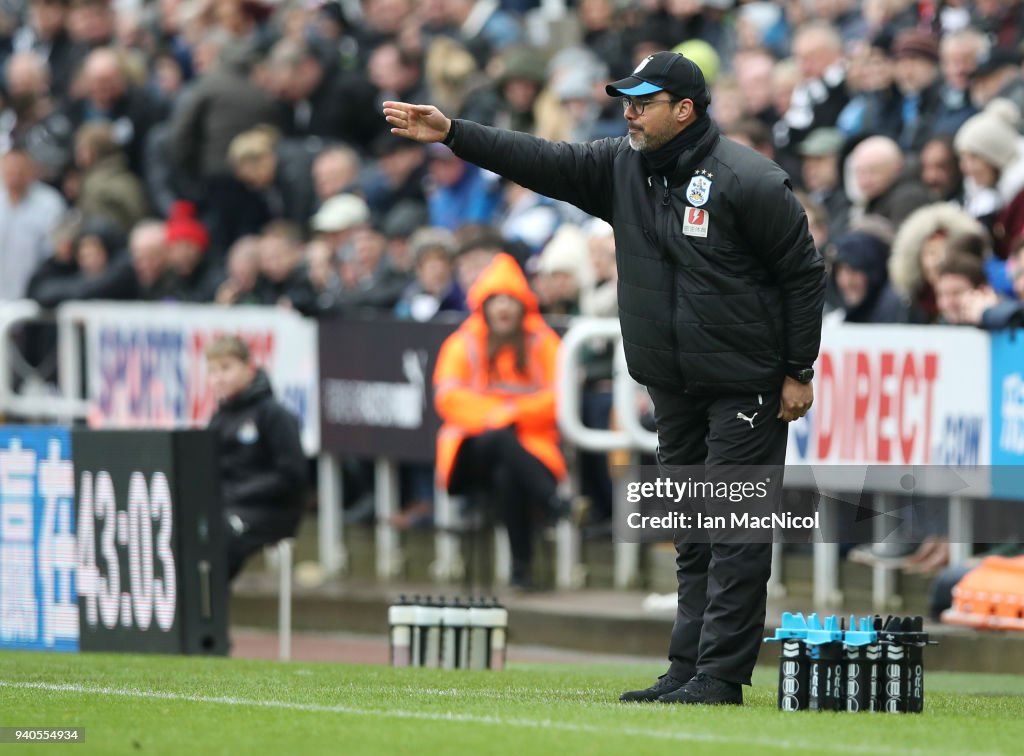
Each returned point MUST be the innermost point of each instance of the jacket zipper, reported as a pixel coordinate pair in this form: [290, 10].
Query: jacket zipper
[666, 238]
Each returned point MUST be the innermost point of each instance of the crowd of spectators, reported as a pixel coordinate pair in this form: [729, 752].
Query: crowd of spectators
[234, 151]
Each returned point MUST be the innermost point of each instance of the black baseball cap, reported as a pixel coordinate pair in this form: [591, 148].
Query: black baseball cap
[667, 71]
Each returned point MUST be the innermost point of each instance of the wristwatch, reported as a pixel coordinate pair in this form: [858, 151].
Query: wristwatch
[804, 375]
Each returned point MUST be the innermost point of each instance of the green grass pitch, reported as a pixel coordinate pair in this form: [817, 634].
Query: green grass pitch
[198, 706]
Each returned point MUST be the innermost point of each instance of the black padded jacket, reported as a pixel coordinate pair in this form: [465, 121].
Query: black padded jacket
[720, 283]
[262, 464]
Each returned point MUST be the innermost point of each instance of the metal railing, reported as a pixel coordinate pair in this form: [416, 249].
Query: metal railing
[631, 436]
[65, 408]
[634, 437]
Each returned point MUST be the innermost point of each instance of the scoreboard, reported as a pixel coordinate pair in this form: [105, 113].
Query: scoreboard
[151, 556]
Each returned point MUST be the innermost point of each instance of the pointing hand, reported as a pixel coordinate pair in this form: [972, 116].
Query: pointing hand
[421, 123]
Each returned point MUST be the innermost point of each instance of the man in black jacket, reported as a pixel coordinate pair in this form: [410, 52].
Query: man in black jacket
[262, 465]
[720, 302]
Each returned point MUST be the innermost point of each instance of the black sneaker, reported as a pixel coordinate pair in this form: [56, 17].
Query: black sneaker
[705, 689]
[665, 684]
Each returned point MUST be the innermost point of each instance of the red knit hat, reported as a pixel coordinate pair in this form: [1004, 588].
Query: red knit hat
[183, 226]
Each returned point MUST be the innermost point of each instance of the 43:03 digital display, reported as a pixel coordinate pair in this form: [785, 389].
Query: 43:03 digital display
[136, 540]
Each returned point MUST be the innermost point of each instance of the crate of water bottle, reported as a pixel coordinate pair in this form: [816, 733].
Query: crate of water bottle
[462, 633]
[870, 664]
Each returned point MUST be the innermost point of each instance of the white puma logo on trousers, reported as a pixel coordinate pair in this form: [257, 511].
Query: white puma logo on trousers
[741, 416]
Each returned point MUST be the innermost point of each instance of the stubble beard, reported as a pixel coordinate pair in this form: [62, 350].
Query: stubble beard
[644, 142]
[638, 141]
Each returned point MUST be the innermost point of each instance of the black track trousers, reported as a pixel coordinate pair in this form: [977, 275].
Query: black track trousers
[723, 587]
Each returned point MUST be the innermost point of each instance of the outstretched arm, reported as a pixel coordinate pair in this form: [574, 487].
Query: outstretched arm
[578, 173]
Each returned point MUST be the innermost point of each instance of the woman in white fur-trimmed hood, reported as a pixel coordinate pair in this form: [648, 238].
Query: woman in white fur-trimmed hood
[919, 249]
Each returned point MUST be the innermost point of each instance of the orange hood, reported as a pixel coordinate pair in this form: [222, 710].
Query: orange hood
[502, 276]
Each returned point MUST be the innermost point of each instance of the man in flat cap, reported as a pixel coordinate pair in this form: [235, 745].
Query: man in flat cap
[917, 76]
[820, 155]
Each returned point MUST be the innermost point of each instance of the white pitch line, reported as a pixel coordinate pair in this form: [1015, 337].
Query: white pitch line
[538, 724]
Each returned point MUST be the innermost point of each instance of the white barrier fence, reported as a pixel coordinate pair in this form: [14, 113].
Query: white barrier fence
[933, 398]
[885, 396]
[143, 365]
[28, 403]
[135, 365]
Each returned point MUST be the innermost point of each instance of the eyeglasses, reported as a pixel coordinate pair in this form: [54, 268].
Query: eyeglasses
[640, 105]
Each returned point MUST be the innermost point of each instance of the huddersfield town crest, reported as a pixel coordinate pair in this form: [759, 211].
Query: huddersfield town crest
[699, 190]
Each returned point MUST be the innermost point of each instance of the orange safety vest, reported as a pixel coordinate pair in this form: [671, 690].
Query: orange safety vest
[471, 401]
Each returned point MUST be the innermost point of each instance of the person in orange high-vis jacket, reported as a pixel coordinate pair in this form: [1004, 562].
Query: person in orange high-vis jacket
[494, 390]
